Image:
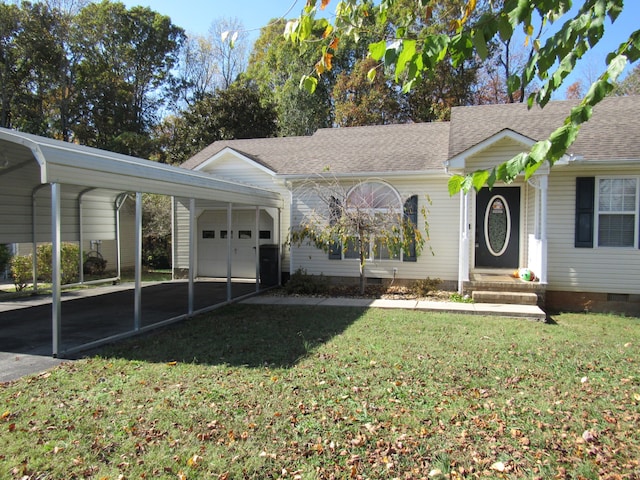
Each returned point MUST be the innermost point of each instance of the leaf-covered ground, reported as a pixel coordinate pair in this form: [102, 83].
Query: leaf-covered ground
[298, 392]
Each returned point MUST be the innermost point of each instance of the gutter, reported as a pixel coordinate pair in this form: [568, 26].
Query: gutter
[384, 174]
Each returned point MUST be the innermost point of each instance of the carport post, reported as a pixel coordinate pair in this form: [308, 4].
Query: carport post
[279, 237]
[229, 235]
[257, 247]
[192, 253]
[138, 261]
[56, 310]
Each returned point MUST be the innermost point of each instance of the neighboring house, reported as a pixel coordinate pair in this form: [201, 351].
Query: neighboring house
[576, 225]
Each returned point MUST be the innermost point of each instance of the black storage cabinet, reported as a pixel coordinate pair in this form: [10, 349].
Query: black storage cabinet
[268, 265]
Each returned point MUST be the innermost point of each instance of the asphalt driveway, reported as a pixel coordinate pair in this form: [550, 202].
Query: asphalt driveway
[91, 315]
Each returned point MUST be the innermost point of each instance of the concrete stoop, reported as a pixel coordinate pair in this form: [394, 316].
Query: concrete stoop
[509, 298]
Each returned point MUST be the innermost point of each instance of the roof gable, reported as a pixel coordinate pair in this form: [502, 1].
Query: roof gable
[612, 133]
[459, 160]
[210, 164]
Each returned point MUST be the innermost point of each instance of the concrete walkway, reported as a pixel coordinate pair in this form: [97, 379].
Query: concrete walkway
[529, 312]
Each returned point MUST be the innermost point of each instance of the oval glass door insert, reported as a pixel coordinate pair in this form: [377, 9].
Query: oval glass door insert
[497, 225]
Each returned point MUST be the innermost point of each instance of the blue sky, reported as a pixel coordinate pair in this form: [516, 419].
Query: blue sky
[196, 16]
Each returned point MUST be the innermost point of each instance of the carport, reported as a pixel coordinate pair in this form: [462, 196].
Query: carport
[53, 191]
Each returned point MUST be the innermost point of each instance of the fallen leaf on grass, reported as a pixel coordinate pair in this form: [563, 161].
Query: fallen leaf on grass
[498, 467]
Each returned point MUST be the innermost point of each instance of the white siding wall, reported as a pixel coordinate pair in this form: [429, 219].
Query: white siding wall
[499, 152]
[605, 270]
[443, 227]
[128, 233]
[15, 201]
[181, 233]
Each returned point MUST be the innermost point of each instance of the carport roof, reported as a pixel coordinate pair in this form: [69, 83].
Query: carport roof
[67, 163]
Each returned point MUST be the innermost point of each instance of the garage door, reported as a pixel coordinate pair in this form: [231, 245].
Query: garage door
[212, 242]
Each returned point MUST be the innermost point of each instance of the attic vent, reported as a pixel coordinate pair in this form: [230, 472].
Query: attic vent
[617, 297]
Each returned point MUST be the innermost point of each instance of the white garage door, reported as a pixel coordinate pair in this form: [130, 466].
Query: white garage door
[212, 242]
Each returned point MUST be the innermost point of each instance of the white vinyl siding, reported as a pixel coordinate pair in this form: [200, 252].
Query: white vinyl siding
[498, 152]
[601, 269]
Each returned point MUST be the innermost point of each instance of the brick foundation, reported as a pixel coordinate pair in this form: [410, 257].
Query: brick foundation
[590, 302]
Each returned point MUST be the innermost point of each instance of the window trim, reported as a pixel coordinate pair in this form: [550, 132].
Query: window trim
[597, 212]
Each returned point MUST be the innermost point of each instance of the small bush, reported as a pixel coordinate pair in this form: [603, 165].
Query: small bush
[423, 287]
[156, 252]
[21, 271]
[301, 283]
[456, 297]
[69, 263]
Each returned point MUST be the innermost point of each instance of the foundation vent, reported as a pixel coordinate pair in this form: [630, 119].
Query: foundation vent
[617, 297]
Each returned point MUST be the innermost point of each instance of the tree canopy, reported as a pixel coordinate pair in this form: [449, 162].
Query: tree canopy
[412, 52]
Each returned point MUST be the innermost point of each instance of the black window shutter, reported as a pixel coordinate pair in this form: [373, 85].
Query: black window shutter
[411, 215]
[585, 197]
[335, 252]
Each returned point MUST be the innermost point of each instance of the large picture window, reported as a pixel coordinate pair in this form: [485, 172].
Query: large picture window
[375, 202]
[616, 212]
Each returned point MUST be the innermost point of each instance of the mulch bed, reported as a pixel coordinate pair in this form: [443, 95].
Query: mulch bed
[392, 292]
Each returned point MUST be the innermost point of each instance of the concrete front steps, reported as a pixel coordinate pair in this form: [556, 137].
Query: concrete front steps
[501, 288]
[510, 298]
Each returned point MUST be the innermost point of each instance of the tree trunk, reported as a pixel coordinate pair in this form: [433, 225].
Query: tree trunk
[363, 257]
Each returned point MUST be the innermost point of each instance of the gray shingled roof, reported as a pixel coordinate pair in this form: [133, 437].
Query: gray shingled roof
[613, 133]
[384, 148]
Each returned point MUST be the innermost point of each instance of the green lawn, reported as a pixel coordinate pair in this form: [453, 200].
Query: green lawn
[296, 392]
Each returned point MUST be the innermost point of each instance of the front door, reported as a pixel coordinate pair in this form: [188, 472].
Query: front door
[498, 227]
